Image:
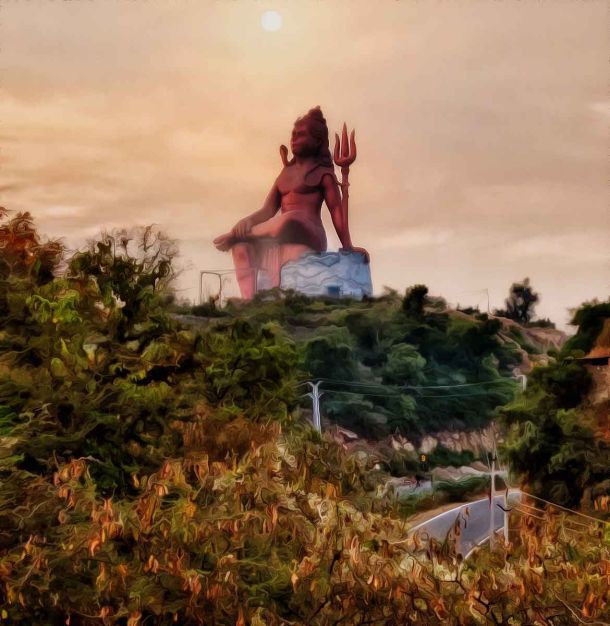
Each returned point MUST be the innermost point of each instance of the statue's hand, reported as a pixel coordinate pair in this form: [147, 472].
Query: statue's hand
[224, 242]
[362, 251]
[242, 228]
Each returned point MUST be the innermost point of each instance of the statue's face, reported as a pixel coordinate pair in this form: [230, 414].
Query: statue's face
[302, 143]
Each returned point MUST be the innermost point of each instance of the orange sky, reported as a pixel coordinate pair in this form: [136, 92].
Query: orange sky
[482, 129]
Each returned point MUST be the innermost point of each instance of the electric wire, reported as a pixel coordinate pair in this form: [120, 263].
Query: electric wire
[381, 391]
[417, 387]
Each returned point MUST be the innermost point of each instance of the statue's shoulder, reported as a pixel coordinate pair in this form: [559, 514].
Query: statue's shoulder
[292, 178]
[314, 177]
[283, 177]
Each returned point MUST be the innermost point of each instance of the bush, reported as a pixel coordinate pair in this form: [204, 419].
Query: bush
[444, 457]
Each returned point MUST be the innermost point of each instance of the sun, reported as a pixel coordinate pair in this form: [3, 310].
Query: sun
[271, 21]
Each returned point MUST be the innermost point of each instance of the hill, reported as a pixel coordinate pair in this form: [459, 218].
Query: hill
[399, 364]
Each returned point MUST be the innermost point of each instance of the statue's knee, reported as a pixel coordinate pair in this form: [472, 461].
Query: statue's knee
[241, 253]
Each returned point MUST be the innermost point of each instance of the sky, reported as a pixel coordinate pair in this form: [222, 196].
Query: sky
[482, 129]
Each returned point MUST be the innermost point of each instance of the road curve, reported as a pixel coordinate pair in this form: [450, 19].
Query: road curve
[475, 528]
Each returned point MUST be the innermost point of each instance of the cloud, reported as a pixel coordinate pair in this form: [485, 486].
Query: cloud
[601, 108]
[481, 127]
[415, 238]
[564, 249]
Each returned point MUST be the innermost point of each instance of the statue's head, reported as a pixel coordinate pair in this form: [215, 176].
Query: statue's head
[310, 137]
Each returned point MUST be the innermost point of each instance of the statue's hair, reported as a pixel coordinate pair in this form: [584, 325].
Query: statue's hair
[314, 119]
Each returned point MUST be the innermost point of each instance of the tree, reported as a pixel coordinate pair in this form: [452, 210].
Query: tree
[133, 269]
[329, 354]
[520, 303]
[405, 366]
[551, 436]
[589, 318]
[414, 301]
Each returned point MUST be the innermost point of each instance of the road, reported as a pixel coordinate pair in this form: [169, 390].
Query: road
[476, 528]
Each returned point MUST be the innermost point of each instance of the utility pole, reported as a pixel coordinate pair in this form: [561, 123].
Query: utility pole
[492, 496]
[315, 396]
[506, 511]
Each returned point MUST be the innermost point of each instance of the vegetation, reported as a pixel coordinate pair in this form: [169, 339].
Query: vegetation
[395, 364]
[589, 319]
[154, 475]
[520, 303]
[554, 434]
[442, 456]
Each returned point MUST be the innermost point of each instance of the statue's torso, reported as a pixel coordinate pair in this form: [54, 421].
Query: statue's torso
[301, 188]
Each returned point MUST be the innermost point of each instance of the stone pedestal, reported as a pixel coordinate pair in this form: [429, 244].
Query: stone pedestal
[335, 274]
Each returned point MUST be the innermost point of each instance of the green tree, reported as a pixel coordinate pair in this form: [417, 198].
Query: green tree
[329, 354]
[405, 366]
[414, 301]
[552, 442]
[589, 319]
[520, 303]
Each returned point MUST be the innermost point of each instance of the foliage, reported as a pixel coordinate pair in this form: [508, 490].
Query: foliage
[552, 439]
[544, 322]
[208, 309]
[414, 301]
[276, 534]
[94, 367]
[517, 334]
[405, 366]
[393, 363]
[589, 319]
[520, 303]
[25, 256]
[132, 270]
[462, 490]
[442, 456]
[152, 475]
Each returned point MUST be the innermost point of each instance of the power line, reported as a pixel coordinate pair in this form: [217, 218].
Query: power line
[354, 383]
[484, 382]
[595, 519]
[375, 390]
[398, 394]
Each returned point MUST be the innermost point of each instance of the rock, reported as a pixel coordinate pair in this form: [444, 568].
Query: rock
[456, 473]
[428, 443]
[338, 274]
[342, 435]
[398, 442]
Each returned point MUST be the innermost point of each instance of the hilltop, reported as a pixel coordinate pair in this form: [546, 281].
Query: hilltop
[399, 364]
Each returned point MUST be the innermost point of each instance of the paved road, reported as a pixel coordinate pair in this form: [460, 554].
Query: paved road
[476, 530]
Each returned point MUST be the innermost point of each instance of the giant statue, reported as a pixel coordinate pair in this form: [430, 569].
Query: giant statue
[289, 223]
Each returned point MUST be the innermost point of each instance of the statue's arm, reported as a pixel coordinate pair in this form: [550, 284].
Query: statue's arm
[338, 214]
[270, 207]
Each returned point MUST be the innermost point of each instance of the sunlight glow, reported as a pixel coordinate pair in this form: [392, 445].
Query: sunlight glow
[271, 21]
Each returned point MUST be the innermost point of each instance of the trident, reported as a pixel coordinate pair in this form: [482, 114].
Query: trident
[345, 155]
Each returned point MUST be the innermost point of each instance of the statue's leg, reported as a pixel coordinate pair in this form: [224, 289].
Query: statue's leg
[244, 259]
[288, 228]
[293, 252]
